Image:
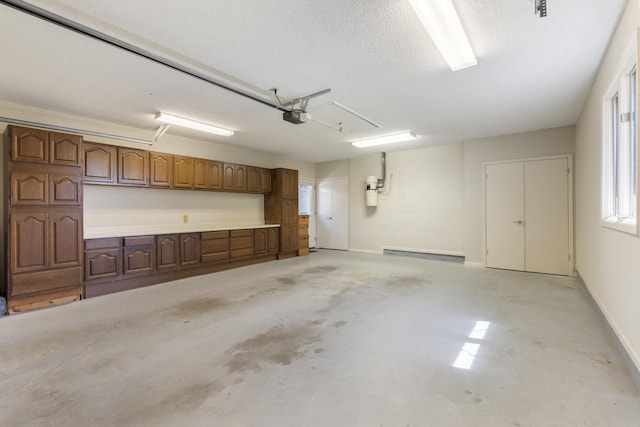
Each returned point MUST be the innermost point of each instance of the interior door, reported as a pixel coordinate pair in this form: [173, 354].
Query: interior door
[505, 229]
[546, 191]
[333, 213]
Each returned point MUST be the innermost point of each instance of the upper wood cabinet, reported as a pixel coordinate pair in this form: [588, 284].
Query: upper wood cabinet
[200, 173]
[29, 188]
[265, 181]
[65, 190]
[234, 177]
[215, 178]
[254, 178]
[100, 163]
[182, 172]
[40, 146]
[161, 170]
[133, 167]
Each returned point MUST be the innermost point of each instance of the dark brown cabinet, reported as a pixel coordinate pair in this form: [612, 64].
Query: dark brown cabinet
[161, 170]
[103, 258]
[100, 163]
[44, 213]
[189, 249]
[265, 181]
[254, 178]
[139, 254]
[182, 172]
[241, 243]
[260, 241]
[281, 207]
[168, 251]
[214, 246]
[133, 167]
[273, 239]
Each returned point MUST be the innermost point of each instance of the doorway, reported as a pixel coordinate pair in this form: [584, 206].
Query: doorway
[307, 206]
[528, 215]
[333, 213]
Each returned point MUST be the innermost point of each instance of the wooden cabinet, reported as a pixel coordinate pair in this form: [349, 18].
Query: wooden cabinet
[161, 170]
[100, 163]
[281, 207]
[168, 251]
[241, 243]
[200, 174]
[133, 167]
[182, 172]
[189, 249]
[234, 177]
[265, 181]
[303, 235]
[254, 178]
[103, 258]
[139, 254]
[44, 213]
[273, 239]
[215, 178]
[260, 241]
[214, 246]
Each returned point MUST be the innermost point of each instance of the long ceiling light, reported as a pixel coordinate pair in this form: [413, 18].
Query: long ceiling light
[387, 139]
[440, 19]
[192, 124]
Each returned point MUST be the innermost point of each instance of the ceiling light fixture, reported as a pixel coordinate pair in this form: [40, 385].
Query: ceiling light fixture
[192, 124]
[440, 19]
[387, 139]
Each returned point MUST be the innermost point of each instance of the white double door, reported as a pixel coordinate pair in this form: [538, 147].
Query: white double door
[528, 215]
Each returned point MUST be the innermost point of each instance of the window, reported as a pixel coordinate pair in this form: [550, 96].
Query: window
[619, 169]
[304, 199]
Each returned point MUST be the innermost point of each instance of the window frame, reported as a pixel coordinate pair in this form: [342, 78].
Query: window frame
[619, 147]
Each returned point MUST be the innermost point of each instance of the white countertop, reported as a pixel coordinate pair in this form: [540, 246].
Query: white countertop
[145, 230]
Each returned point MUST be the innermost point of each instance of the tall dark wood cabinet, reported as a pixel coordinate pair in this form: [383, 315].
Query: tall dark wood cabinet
[43, 209]
[281, 207]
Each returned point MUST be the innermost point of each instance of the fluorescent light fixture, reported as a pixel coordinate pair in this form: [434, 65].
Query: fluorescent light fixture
[192, 124]
[387, 139]
[440, 19]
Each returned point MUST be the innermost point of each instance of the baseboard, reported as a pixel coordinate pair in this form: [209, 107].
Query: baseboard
[474, 264]
[422, 251]
[425, 255]
[365, 251]
[628, 360]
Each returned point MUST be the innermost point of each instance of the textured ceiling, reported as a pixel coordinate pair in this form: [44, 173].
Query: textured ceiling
[532, 73]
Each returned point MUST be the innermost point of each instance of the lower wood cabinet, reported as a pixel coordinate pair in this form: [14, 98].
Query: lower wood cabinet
[139, 254]
[214, 246]
[102, 258]
[189, 249]
[240, 243]
[168, 251]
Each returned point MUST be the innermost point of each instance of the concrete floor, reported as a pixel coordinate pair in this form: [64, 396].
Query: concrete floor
[332, 339]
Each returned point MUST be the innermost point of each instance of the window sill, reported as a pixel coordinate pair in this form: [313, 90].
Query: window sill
[625, 226]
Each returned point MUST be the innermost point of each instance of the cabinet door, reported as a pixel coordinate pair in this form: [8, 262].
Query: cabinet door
[265, 182]
[215, 177]
[240, 178]
[289, 238]
[273, 239]
[28, 241]
[29, 188]
[133, 167]
[99, 163]
[161, 170]
[228, 176]
[168, 251]
[254, 176]
[65, 238]
[138, 259]
[65, 190]
[290, 183]
[214, 246]
[183, 172]
[103, 263]
[260, 241]
[290, 212]
[29, 145]
[65, 149]
[189, 249]
[200, 173]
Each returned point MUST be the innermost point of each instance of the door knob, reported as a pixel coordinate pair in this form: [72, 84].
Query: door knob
[518, 222]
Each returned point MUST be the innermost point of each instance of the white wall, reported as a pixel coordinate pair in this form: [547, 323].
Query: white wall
[549, 142]
[607, 260]
[422, 208]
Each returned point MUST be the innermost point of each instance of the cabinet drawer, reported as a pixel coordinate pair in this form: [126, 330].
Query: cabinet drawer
[22, 284]
[241, 233]
[304, 242]
[303, 220]
[211, 246]
[208, 235]
[139, 240]
[110, 242]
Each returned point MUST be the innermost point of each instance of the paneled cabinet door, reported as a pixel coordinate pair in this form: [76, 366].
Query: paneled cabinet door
[215, 178]
[28, 241]
[240, 178]
[290, 211]
[228, 175]
[273, 239]
[100, 163]
[29, 145]
[138, 259]
[289, 238]
[133, 167]
[65, 238]
[65, 190]
[103, 263]
[290, 183]
[200, 173]
[254, 177]
[189, 249]
[260, 241]
[265, 181]
[168, 251]
[29, 188]
[65, 149]
[182, 172]
[161, 170]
